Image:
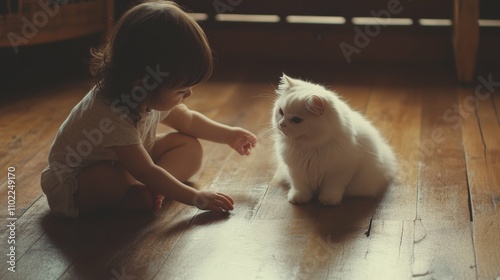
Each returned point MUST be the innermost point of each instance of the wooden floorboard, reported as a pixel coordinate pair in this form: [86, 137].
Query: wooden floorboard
[481, 129]
[443, 217]
[439, 220]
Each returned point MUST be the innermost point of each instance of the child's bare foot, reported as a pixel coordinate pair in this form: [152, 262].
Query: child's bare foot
[141, 198]
[157, 201]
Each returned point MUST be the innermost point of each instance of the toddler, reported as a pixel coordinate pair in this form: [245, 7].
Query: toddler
[107, 154]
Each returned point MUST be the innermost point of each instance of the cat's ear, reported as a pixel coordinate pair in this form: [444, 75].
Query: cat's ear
[315, 104]
[285, 84]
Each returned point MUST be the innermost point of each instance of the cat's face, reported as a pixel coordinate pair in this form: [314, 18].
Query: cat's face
[290, 119]
[299, 110]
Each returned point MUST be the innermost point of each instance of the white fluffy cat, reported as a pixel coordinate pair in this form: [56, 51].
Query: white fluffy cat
[324, 147]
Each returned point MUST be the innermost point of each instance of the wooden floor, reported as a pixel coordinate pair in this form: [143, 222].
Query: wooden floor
[441, 221]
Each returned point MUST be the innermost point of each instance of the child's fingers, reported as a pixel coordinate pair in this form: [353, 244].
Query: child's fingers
[215, 208]
[220, 206]
[252, 139]
[224, 202]
[245, 148]
[227, 197]
[241, 150]
[244, 142]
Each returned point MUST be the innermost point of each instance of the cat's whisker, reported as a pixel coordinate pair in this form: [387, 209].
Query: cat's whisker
[266, 135]
[275, 88]
[268, 96]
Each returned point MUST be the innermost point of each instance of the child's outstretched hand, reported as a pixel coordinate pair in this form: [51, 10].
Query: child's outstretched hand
[242, 140]
[214, 201]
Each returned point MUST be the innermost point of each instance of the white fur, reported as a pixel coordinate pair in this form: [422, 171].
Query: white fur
[333, 151]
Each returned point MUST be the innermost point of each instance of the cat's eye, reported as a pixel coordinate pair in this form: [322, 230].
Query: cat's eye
[281, 112]
[296, 120]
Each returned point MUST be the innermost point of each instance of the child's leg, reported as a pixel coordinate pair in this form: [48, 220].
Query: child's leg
[107, 185]
[179, 154]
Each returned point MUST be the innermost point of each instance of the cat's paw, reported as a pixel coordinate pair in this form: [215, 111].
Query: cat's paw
[329, 199]
[297, 197]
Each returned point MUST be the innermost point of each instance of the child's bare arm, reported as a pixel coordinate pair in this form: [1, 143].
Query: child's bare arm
[197, 125]
[139, 164]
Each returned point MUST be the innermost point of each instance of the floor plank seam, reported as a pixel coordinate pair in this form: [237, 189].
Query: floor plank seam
[478, 119]
[497, 114]
[469, 193]
[368, 231]
[469, 200]
[401, 239]
[418, 191]
[475, 250]
[260, 203]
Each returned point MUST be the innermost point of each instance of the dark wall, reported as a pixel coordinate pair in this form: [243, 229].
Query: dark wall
[44, 63]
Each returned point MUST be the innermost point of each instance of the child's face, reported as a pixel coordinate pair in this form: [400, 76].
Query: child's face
[169, 98]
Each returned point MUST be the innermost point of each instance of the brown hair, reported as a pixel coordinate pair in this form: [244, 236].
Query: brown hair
[155, 35]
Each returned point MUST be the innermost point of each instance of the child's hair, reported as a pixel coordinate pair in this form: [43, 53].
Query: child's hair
[155, 36]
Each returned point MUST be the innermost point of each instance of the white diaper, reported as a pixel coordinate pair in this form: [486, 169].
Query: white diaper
[60, 192]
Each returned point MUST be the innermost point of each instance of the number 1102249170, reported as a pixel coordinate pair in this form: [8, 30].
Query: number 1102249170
[11, 193]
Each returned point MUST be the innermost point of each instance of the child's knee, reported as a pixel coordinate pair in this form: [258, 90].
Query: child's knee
[179, 154]
[195, 150]
[191, 146]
